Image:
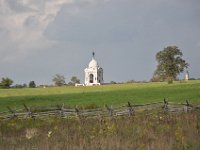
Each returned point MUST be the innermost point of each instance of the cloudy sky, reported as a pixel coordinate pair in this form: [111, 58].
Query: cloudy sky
[40, 38]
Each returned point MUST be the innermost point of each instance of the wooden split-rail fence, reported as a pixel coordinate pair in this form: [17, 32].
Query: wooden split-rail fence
[128, 110]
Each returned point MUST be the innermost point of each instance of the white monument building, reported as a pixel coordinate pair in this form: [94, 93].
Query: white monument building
[94, 73]
[187, 76]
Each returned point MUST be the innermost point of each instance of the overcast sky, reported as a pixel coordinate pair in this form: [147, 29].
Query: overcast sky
[40, 38]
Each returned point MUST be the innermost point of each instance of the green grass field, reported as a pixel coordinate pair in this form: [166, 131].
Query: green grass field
[151, 130]
[100, 95]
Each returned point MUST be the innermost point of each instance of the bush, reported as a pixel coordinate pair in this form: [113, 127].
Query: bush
[6, 82]
[32, 84]
[19, 86]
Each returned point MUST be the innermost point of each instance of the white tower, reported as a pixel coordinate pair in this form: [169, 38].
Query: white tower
[94, 73]
[187, 76]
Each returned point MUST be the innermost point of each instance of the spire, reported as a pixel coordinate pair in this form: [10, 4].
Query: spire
[93, 55]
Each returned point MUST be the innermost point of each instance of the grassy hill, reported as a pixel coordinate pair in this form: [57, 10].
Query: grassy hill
[100, 95]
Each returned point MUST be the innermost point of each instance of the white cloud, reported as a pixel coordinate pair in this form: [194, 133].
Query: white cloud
[23, 23]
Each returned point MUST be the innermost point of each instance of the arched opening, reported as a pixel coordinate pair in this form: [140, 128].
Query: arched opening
[91, 78]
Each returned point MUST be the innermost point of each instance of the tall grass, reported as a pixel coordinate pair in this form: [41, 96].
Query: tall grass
[153, 132]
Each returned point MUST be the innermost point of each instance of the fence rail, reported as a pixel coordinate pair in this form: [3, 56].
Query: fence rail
[128, 109]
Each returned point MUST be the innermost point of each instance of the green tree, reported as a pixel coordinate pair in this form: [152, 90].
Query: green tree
[170, 63]
[32, 84]
[20, 86]
[59, 80]
[113, 82]
[75, 80]
[6, 82]
[155, 78]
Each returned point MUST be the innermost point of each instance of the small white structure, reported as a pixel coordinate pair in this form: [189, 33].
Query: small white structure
[94, 73]
[187, 76]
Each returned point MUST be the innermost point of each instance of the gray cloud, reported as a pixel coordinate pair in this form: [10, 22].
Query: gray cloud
[17, 6]
[42, 38]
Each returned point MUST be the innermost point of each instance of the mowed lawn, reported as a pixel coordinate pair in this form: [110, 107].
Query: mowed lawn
[114, 95]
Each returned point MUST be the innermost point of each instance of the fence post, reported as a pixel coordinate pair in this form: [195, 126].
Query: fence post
[110, 111]
[165, 106]
[60, 110]
[29, 112]
[131, 110]
[77, 111]
[13, 112]
[187, 106]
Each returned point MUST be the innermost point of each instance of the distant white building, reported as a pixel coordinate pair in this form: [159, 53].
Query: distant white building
[94, 73]
[187, 76]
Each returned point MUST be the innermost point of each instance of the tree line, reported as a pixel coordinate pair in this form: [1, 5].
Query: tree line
[170, 65]
[59, 80]
[6, 83]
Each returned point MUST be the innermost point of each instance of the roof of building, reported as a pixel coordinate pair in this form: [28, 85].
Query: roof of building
[93, 63]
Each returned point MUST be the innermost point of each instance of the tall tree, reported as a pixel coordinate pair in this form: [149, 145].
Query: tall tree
[32, 84]
[59, 80]
[75, 80]
[6, 82]
[170, 63]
